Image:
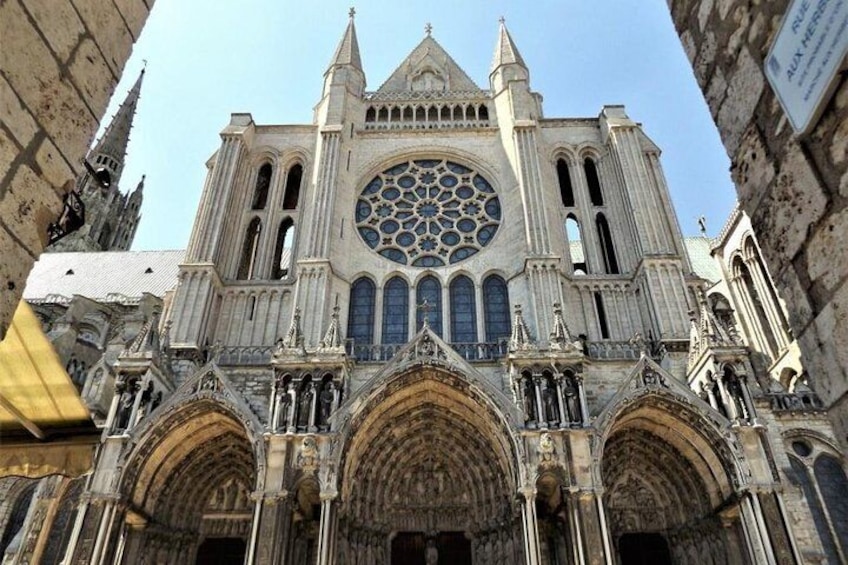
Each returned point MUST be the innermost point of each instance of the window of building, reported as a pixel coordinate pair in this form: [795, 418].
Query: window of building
[283, 249]
[292, 191]
[591, 170]
[396, 311]
[602, 315]
[566, 192]
[463, 311]
[756, 305]
[360, 319]
[249, 249]
[575, 245]
[833, 485]
[607, 247]
[429, 289]
[496, 308]
[263, 183]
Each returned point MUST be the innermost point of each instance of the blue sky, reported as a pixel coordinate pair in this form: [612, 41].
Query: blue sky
[209, 58]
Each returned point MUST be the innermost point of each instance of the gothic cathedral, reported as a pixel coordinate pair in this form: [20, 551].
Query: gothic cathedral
[432, 327]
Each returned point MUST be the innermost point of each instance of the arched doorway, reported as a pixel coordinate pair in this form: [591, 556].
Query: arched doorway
[428, 476]
[189, 485]
[668, 488]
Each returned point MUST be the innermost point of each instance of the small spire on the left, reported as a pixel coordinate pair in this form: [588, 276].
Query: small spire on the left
[144, 64]
[352, 12]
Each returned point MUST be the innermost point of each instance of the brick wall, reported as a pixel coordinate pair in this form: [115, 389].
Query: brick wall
[60, 61]
[794, 189]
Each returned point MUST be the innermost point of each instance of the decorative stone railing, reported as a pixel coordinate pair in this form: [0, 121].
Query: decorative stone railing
[241, 355]
[428, 113]
[795, 401]
[613, 350]
[377, 353]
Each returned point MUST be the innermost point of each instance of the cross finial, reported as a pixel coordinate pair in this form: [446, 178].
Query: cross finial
[428, 28]
[144, 64]
[702, 223]
[502, 20]
[425, 309]
[352, 12]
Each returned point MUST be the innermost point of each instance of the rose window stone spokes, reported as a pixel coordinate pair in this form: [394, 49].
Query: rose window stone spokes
[428, 213]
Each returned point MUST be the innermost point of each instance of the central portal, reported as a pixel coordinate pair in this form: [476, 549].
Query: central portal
[428, 477]
[447, 548]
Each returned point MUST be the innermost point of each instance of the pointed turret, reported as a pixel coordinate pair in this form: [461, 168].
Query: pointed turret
[507, 64]
[111, 148]
[346, 67]
[347, 53]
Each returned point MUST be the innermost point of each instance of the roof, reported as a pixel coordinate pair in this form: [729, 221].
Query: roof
[429, 56]
[108, 276]
[703, 263]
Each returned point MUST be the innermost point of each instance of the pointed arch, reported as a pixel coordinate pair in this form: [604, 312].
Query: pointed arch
[291, 194]
[607, 246]
[396, 311]
[430, 289]
[463, 311]
[249, 250]
[496, 308]
[263, 184]
[590, 169]
[576, 247]
[566, 191]
[283, 249]
[360, 318]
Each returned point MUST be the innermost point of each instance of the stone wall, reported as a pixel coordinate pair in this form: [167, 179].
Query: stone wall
[794, 189]
[59, 64]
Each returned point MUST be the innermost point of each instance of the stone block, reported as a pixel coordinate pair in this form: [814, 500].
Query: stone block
[52, 100]
[8, 153]
[134, 13]
[783, 217]
[53, 167]
[689, 46]
[818, 357]
[15, 116]
[745, 87]
[92, 76]
[14, 269]
[110, 32]
[826, 251]
[716, 91]
[704, 10]
[796, 298]
[28, 206]
[57, 20]
[705, 60]
[753, 169]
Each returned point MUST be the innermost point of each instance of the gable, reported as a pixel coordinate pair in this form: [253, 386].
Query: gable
[428, 68]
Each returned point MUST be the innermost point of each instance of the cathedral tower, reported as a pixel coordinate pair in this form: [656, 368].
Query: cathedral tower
[111, 217]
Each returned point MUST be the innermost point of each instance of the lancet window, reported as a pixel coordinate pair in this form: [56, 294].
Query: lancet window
[291, 195]
[566, 192]
[249, 250]
[496, 308]
[283, 249]
[607, 247]
[575, 245]
[396, 311]
[263, 183]
[463, 311]
[591, 171]
[360, 320]
[429, 290]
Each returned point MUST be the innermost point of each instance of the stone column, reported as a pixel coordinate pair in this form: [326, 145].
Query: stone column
[746, 398]
[532, 550]
[755, 530]
[313, 407]
[584, 406]
[541, 420]
[564, 416]
[327, 530]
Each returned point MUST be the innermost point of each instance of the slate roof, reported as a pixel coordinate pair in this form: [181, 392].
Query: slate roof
[703, 263]
[109, 276]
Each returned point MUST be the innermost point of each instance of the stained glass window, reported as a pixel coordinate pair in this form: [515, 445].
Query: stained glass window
[360, 320]
[428, 213]
[496, 308]
[463, 312]
[396, 311]
[429, 289]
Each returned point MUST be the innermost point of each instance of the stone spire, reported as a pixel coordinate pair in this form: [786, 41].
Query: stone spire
[506, 53]
[113, 142]
[560, 338]
[347, 53]
[332, 340]
[292, 344]
[520, 338]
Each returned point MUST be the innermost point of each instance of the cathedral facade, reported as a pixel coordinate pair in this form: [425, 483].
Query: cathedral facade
[435, 327]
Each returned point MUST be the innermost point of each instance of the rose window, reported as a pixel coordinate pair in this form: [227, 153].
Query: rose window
[428, 213]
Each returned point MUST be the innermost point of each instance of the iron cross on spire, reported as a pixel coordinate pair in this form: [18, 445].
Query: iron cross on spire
[428, 28]
[352, 12]
[425, 308]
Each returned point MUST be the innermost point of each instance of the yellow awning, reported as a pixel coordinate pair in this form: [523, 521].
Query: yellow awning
[44, 425]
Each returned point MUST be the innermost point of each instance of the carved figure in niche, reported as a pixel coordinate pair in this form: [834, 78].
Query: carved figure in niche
[546, 448]
[572, 399]
[146, 399]
[734, 390]
[127, 391]
[284, 399]
[550, 401]
[432, 552]
[529, 401]
[305, 406]
[326, 398]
